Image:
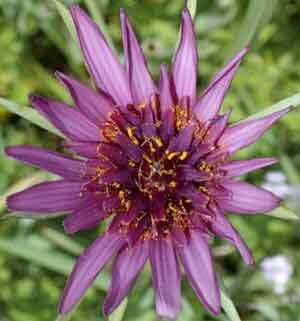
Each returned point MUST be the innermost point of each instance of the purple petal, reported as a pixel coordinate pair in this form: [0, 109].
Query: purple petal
[166, 278]
[95, 106]
[247, 198]
[185, 64]
[190, 173]
[197, 262]
[85, 149]
[85, 216]
[201, 150]
[217, 128]
[222, 227]
[107, 72]
[48, 197]
[47, 160]
[232, 63]
[124, 274]
[241, 135]
[166, 97]
[142, 85]
[191, 192]
[211, 101]
[87, 267]
[237, 168]
[182, 141]
[68, 120]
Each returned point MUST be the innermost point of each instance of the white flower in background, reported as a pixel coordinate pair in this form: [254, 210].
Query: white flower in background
[277, 269]
[276, 182]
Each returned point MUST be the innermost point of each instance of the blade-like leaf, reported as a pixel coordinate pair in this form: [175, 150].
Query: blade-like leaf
[257, 15]
[290, 101]
[284, 213]
[290, 170]
[229, 307]
[51, 259]
[119, 313]
[192, 6]
[29, 114]
[66, 16]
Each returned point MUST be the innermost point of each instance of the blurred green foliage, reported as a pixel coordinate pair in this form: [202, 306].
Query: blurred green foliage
[34, 42]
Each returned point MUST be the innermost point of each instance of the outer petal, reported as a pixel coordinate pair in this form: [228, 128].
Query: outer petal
[49, 197]
[47, 160]
[142, 85]
[85, 216]
[124, 274]
[87, 267]
[247, 198]
[85, 149]
[166, 278]
[211, 101]
[185, 64]
[107, 72]
[237, 168]
[166, 96]
[197, 261]
[222, 227]
[68, 120]
[95, 106]
[241, 135]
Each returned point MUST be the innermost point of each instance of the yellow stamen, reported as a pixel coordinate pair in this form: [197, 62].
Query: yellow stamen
[184, 155]
[172, 155]
[158, 141]
[172, 184]
[130, 132]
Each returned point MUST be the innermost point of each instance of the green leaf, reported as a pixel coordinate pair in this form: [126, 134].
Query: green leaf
[284, 213]
[67, 18]
[192, 6]
[290, 101]
[29, 114]
[61, 240]
[28, 249]
[119, 313]
[290, 170]
[229, 307]
[257, 15]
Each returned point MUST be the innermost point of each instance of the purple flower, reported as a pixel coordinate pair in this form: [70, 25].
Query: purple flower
[155, 160]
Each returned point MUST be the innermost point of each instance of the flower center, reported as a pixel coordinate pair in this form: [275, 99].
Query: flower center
[155, 174]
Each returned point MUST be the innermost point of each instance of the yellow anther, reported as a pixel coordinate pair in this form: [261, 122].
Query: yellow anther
[100, 171]
[167, 172]
[127, 205]
[152, 149]
[147, 158]
[122, 195]
[172, 155]
[184, 155]
[130, 133]
[142, 106]
[132, 163]
[116, 185]
[158, 141]
[202, 189]
[172, 184]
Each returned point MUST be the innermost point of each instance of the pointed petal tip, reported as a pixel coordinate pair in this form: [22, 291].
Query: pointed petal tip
[68, 228]
[123, 14]
[186, 13]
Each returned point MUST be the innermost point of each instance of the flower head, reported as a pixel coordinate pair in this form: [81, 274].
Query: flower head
[156, 163]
